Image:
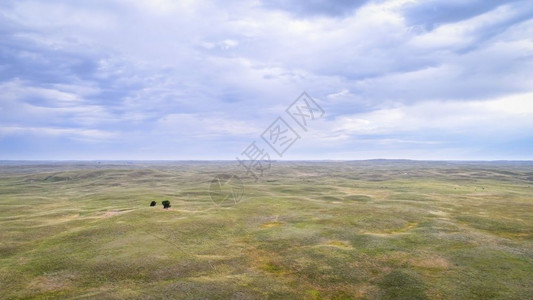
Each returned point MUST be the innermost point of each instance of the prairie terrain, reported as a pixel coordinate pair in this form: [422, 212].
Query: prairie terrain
[306, 230]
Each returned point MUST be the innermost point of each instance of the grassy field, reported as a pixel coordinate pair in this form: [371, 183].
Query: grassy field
[306, 230]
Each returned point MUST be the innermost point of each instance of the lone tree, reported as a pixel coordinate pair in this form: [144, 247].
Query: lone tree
[166, 204]
[153, 203]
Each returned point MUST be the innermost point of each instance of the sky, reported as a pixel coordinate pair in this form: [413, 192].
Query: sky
[195, 80]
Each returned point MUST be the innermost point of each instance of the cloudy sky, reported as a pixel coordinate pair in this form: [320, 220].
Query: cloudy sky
[164, 79]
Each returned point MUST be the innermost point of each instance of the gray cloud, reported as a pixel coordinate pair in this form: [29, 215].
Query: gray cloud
[433, 13]
[156, 75]
[332, 8]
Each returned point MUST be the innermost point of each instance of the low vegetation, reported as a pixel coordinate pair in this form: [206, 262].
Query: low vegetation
[351, 230]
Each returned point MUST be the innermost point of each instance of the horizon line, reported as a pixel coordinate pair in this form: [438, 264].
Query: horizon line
[289, 160]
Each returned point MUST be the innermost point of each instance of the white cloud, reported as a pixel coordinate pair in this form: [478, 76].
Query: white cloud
[22, 103]
[195, 125]
[77, 133]
[507, 115]
[208, 70]
[18, 89]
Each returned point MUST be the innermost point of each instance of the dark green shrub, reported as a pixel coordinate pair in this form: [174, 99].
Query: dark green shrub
[166, 204]
[153, 203]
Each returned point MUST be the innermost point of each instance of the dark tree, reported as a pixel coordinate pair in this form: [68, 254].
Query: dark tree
[166, 204]
[153, 203]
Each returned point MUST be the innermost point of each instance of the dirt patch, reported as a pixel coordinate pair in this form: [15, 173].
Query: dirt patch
[430, 262]
[59, 220]
[439, 213]
[53, 282]
[111, 213]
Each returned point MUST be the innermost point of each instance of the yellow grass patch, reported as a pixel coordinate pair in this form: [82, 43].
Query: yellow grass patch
[430, 262]
[338, 244]
[392, 232]
[270, 224]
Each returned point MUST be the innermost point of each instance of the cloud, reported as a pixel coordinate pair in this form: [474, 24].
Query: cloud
[434, 13]
[212, 74]
[83, 134]
[332, 8]
[198, 126]
[61, 104]
[433, 121]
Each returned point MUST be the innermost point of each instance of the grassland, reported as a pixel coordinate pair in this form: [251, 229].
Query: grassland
[306, 230]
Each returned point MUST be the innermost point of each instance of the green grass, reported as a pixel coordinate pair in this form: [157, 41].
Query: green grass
[351, 230]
